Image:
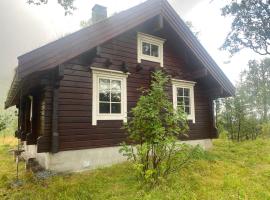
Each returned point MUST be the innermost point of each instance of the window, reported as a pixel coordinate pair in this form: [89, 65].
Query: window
[150, 48]
[109, 101]
[183, 99]
[183, 96]
[109, 95]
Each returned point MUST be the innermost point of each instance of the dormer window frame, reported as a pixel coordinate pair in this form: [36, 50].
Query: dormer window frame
[154, 41]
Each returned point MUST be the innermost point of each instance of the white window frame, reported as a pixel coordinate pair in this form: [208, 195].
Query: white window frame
[176, 83]
[142, 37]
[97, 74]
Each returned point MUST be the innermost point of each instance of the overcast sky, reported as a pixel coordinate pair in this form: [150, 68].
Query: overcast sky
[25, 27]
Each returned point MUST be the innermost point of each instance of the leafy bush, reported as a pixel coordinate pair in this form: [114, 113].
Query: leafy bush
[154, 128]
[8, 121]
[236, 121]
[3, 122]
[265, 129]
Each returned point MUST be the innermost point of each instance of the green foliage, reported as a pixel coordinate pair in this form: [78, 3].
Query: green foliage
[85, 23]
[250, 27]
[68, 5]
[193, 29]
[3, 122]
[257, 87]
[241, 117]
[8, 120]
[154, 128]
[265, 127]
[237, 122]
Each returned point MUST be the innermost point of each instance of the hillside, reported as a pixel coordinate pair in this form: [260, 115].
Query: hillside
[228, 171]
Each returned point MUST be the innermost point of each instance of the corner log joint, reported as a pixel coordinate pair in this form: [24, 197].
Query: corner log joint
[59, 74]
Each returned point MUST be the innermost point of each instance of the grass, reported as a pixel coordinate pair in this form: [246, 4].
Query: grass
[229, 171]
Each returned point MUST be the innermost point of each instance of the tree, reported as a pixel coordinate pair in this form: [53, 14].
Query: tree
[250, 27]
[66, 4]
[3, 122]
[237, 121]
[8, 120]
[193, 29]
[257, 79]
[154, 128]
[245, 114]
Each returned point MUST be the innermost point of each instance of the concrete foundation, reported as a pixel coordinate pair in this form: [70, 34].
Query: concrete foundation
[80, 160]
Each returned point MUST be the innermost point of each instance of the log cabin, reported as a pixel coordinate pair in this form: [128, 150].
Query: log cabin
[74, 94]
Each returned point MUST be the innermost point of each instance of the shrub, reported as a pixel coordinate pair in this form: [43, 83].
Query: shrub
[265, 129]
[154, 128]
[8, 122]
[3, 122]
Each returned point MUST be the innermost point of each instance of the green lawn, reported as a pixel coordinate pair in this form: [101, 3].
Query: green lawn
[228, 171]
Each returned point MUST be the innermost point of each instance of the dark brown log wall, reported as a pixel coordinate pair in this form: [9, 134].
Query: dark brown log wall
[75, 95]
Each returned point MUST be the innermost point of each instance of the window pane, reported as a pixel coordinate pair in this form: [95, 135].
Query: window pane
[104, 90]
[154, 50]
[179, 91]
[187, 110]
[116, 97]
[146, 48]
[186, 92]
[116, 85]
[116, 107]
[104, 107]
[186, 99]
[115, 91]
[104, 96]
[180, 101]
[104, 84]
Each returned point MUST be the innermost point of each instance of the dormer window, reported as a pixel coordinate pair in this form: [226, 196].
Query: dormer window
[150, 48]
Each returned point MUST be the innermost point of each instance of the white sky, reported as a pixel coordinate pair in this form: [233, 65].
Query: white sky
[25, 27]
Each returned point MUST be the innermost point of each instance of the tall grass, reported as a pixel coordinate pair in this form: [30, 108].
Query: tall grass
[7, 137]
[229, 171]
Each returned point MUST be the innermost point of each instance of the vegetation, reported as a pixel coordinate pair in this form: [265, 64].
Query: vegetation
[66, 4]
[229, 171]
[246, 115]
[250, 27]
[8, 122]
[256, 87]
[155, 127]
[193, 29]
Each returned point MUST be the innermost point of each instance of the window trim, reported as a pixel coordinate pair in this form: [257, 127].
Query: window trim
[142, 37]
[98, 73]
[177, 83]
